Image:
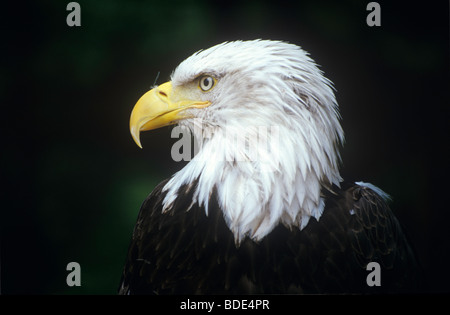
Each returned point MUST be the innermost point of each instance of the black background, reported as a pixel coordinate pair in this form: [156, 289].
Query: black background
[73, 179]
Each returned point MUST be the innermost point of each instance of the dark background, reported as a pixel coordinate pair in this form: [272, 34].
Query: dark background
[73, 179]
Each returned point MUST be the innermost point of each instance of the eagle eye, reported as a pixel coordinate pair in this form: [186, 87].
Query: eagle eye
[206, 83]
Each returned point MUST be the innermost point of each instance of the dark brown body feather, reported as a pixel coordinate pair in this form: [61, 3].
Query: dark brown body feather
[187, 252]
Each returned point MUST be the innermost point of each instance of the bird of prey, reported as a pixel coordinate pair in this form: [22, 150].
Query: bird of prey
[261, 207]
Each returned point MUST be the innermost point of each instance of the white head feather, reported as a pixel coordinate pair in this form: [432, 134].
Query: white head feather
[261, 85]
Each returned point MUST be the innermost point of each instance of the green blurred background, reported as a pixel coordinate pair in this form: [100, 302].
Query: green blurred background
[74, 179]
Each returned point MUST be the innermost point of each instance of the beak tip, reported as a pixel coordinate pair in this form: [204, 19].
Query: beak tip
[135, 134]
[138, 142]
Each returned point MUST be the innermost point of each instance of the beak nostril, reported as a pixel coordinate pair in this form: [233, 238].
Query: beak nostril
[162, 94]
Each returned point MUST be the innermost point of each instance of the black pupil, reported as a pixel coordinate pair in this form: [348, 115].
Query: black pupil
[206, 82]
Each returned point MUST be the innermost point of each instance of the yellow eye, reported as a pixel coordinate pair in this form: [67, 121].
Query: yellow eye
[206, 83]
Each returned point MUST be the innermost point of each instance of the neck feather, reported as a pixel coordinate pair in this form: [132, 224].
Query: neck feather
[261, 180]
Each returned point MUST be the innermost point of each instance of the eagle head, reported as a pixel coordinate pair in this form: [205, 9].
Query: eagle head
[242, 97]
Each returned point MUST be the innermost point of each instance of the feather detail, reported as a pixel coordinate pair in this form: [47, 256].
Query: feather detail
[268, 145]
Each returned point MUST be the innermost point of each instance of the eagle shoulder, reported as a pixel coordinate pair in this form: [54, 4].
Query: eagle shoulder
[376, 235]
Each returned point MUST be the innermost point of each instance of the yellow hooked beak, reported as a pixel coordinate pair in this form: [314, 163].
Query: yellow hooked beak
[159, 107]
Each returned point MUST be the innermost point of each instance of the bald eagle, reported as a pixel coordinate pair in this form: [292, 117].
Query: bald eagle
[261, 207]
